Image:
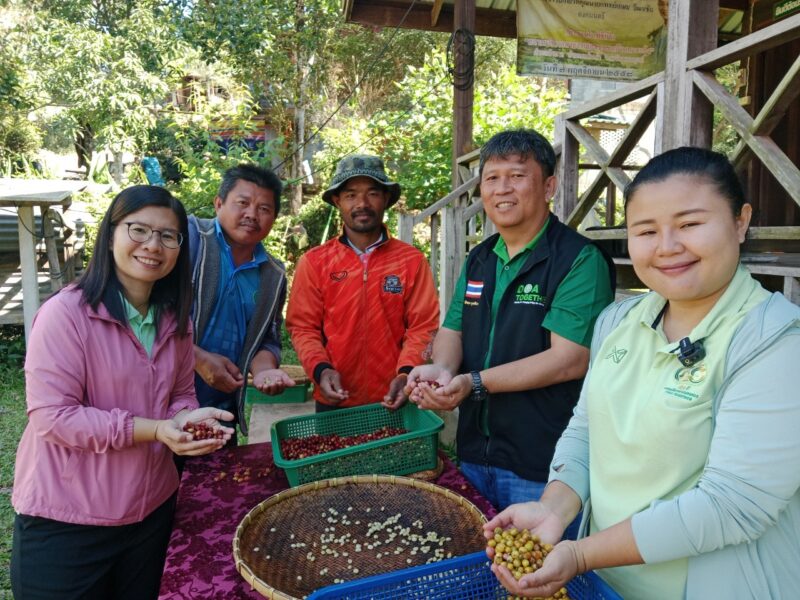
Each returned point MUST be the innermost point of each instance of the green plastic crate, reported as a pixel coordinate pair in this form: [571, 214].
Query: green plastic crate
[295, 394]
[398, 455]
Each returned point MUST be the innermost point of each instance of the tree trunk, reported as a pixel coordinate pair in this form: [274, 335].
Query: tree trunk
[116, 168]
[84, 146]
[300, 128]
[299, 118]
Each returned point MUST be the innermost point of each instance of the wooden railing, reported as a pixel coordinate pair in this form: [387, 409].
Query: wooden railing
[581, 152]
[454, 224]
[578, 144]
[457, 221]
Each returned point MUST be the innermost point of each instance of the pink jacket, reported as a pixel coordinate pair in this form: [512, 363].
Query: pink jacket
[86, 377]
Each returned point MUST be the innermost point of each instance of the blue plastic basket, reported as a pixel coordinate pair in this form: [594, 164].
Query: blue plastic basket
[463, 578]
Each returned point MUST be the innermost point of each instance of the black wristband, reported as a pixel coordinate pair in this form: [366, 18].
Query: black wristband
[319, 369]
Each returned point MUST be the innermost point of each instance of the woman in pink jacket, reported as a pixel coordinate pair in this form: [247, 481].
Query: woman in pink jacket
[109, 389]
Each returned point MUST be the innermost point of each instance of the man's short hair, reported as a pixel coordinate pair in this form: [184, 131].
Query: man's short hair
[263, 178]
[525, 143]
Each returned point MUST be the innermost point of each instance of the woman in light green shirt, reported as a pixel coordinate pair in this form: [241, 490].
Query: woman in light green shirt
[684, 444]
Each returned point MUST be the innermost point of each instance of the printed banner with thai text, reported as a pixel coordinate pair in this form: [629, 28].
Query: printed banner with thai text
[620, 40]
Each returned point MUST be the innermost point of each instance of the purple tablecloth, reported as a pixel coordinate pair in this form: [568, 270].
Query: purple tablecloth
[216, 492]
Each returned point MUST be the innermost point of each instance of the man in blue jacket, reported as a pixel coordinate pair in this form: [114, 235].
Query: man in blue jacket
[239, 291]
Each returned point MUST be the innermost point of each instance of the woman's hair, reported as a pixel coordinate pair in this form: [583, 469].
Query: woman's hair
[99, 282]
[697, 162]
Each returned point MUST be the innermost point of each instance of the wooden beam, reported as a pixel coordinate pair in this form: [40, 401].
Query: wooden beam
[612, 166]
[658, 135]
[635, 132]
[587, 200]
[691, 31]
[771, 113]
[437, 8]
[452, 254]
[754, 233]
[770, 37]
[443, 202]
[489, 21]
[773, 233]
[469, 157]
[463, 82]
[405, 228]
[779, 102]
[598, 154]
[567, 193]
[622, 96]
[434, 259]
[472, 210]
[791, 289]
[771, 156]
[27, 258]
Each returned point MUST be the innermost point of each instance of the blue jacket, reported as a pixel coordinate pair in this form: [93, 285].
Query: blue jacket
[205, 254]
[740, 526]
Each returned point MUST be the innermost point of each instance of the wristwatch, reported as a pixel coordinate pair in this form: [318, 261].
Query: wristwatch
[479, 391]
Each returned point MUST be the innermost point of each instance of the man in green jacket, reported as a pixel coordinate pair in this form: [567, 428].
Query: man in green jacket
[514, 346]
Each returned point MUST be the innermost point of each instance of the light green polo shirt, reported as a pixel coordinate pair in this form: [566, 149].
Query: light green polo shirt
[143, 327]
[650, 422]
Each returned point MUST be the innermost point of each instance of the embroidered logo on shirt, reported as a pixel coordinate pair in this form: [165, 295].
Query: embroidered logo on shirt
[392, 284]
[693, 374]
[617, 355]
[528, 293]
[339, 276]
[687, 379]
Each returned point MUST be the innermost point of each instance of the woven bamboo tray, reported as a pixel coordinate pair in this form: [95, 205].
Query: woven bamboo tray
[275, 542]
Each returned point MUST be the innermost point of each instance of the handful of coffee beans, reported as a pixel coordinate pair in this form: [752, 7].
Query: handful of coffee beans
[521, 553]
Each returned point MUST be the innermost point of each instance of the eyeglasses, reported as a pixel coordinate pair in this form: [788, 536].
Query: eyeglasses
[139, 232]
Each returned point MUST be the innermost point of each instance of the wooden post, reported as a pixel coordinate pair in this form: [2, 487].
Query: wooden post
[452, 254]
[434, 259]
[661, 114]
[567, 193]
[791, 289]
[463, 64]
[611, 205]
[691, 31]
[27, 260]
[52, 248]
[405, 228]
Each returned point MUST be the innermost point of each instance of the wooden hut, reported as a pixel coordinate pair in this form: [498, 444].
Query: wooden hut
[680, 103]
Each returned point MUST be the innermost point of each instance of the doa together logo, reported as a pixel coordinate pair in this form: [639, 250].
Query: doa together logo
[528, 293]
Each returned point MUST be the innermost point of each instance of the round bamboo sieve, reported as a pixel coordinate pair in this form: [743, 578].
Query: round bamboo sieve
[275, 541]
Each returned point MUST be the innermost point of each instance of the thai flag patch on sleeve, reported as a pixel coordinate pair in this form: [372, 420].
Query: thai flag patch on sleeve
[474, 290]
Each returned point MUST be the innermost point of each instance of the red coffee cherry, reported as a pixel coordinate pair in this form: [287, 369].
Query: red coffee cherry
[202, 431]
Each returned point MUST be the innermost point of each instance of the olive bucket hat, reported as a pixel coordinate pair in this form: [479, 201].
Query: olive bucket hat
[361, 165]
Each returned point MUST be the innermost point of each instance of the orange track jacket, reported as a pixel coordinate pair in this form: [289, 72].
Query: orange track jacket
[367, 320]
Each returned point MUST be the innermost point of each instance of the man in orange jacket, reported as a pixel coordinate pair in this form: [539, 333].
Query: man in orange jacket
[363, 308]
